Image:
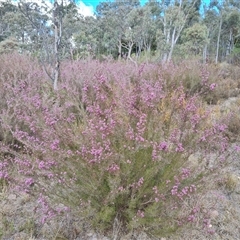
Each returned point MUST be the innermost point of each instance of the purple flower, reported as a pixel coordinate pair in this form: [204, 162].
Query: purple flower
[179, 148]
[163, 146]
[237, 148]
[212, 86]
[29, 182]
[55, 145]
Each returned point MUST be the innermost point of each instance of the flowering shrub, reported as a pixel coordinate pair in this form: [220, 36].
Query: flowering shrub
[113, 143]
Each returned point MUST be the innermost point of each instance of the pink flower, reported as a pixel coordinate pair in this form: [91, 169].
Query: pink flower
[55, 145]
[113, 168]
[212, 86]
[179, 148]
[29, 182]
[163, 146]
[140, 214]
[237, 148]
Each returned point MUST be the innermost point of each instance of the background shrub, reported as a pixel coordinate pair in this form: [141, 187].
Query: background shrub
[112, 144]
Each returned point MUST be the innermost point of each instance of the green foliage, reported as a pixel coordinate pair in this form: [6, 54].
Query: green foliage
[3, 184]
[6, 225]
[110, 202]
[104, 218]
[194, 38]
[125, 28]
[8, 45]
[28, 226]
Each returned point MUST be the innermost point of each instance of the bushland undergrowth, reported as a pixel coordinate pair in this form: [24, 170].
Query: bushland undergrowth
[112, 144]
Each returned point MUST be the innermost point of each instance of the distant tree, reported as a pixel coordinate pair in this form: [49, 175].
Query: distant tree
[222, 19]
[6, 8]
[35, 15]
[113, 17]
[8, 45]
[195, 38]
[174, 17]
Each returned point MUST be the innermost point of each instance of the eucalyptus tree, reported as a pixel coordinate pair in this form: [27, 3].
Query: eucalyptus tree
[47, 19]
[88, 38]
[220, 10]
[210, 19]
[8, 42]
[226, 15]
[6, 8]
[140, 35]
[31, 22]
[23, 24]
[57, 15]
[195, 39]
[231, 29]
[132, 37]
[192, 8]
[42, 18]
[113, 17]
[71, 24]
[234, 36]
[175, 15]
[149, 26]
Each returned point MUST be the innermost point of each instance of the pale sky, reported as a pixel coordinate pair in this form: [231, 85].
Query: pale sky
[94, 3]
[87, 7]
[83, 8]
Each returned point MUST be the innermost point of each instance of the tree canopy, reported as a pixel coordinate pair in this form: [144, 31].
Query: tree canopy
[159, 29]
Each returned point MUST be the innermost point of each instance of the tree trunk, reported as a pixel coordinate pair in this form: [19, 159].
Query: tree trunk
[119, 49]
[218, 40]
[205, 54]
[174, 40]
[130, 46]
[57, 41]
[172, 45]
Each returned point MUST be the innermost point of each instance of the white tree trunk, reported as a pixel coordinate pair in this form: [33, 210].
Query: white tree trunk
[57, 41]
[218, 40]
